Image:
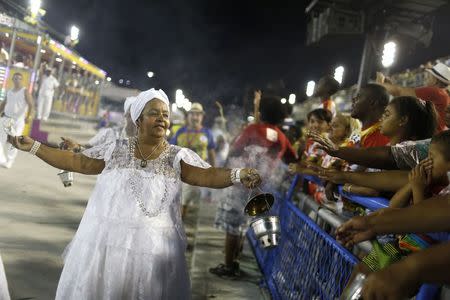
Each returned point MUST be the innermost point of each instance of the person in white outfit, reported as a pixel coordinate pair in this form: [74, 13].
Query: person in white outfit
[124, 131]
[45, 97]
[4, 293]
[13, 113]
[131, 242]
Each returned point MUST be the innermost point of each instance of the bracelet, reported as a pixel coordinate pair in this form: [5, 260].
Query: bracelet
[349, 189]
[235, 176]
[35, 147]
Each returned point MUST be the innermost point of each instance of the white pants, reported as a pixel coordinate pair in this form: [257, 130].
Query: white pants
[44, 106]
[7, 152]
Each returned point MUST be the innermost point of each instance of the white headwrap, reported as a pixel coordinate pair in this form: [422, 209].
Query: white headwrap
[127, 103]
[143, 98]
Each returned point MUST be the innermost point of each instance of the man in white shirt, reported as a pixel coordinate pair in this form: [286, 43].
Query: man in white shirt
[17, 107]
[45, 97]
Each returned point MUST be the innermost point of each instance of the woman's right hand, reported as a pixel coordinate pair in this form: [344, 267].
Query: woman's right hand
[23, 143]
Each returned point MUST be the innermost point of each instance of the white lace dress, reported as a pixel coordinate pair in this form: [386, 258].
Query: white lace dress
[130, 243]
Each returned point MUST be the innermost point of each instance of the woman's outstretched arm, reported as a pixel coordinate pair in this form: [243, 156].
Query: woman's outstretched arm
[217, 178]
[65, 160]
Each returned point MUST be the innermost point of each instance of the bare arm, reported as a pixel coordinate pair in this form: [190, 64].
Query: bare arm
[374, 157]
[401, 198]
[394, 90]
[387, 181]
[257, 101]
[402, 279]
[361, 190]
[397, 90]
[65, 160]
[216, 178]
[431, 215]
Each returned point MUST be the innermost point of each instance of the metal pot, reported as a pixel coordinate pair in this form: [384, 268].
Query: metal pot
[259, 203]
[267, 230]
[66, 178]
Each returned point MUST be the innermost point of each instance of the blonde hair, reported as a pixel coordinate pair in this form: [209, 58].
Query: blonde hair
[352, 125]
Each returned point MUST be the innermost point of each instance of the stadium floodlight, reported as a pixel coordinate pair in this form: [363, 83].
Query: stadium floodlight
[389, 51]
[339, 74]
[310, 88]
[74, 33]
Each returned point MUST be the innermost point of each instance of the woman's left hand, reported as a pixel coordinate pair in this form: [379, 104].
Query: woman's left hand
[250, 178]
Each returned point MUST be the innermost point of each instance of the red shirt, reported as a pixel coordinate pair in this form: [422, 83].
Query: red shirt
[372, 137]
[268, 136]
[440, 99]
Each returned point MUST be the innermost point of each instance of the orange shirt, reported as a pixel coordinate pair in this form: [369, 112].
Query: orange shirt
[372, 137]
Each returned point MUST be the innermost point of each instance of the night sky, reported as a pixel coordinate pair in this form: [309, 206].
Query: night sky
[214, 49]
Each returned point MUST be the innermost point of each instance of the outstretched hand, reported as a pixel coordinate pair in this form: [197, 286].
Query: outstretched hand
[23, 143]
[250, 178]
[324, 143]
[354, 231]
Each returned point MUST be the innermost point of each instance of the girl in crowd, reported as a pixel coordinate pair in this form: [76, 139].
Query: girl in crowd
[344, 132]
[130, 243]
[405, 118]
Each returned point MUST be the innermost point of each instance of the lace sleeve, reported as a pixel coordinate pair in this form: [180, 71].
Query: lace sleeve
[101, 151]
[103, 136]
[189, 157]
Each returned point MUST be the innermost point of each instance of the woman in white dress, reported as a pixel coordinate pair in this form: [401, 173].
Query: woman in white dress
[130, 243]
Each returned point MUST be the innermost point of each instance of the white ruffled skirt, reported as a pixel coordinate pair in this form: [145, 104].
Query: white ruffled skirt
[110, 261]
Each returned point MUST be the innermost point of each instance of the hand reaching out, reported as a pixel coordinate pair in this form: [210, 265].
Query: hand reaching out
[324, 143]
[354, 231]
[23, 143]
[250, 178]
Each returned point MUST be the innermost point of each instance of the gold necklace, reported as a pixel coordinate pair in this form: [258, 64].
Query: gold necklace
[144, 160]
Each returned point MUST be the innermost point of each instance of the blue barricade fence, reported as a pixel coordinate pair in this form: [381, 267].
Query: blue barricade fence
[308, 263]
[372, 203]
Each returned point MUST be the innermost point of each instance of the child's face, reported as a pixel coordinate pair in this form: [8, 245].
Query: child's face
[440, 164]
[317, 125]
[338, 129]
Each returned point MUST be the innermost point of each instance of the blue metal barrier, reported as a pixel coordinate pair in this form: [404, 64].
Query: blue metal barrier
[308, 263]
[372, 203]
